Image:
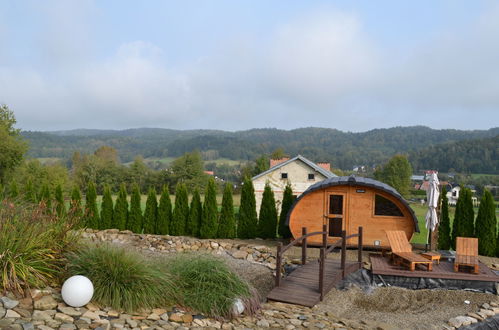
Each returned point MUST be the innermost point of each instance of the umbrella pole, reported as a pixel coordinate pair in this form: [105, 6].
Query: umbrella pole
[428, 240]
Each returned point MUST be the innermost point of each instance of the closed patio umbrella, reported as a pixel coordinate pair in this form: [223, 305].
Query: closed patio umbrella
[432, 195]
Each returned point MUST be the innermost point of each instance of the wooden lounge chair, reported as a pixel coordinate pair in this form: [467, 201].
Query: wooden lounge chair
[466, 253]
[402, 251]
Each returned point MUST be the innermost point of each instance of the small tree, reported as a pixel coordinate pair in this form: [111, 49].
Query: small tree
[469, 215]
[463, 218]
[46, 197]
[13, 189]
[164, 212]
[29, 192]
[209, 221]
[486, 225]
[267, 222]
[396, 173]
[181, 211]
[135, 216]
[246, 227]
[287, 201]
[60, 207]
[195, 214]
[91, 213]
[227, 224]
[75, 203]
[106, 212]
[151, 212]
[444, 234]
[120, 214]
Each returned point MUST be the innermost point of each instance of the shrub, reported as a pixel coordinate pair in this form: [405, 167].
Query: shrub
[120, 214]
[247, 222]
[206, 284]
[122, 279]
[444, 234]
[60, 207]
[287, 201]
[91, 213]
[209, 220]
[32, 243]
[29, 192]
[486, 225]
[463, 225]
[227, 225]
[75, 203]
[267, 222]
[106, 212]
[195, 214]
[164, 212]
[135, 217]
[181, 211]
[151, 212]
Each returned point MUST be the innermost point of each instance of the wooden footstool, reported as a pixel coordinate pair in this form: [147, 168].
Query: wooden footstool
[432, 256]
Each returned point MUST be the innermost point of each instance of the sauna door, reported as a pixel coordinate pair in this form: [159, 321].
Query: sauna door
[336, 209]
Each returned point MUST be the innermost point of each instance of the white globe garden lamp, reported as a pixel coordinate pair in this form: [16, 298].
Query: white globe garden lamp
[77, 291]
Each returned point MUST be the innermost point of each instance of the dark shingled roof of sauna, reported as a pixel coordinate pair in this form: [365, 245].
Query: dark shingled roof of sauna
[356, 181]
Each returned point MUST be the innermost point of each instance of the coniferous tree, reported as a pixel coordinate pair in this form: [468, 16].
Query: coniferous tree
[164, 212]
[486, 225]
[106, 213]
[267, 222]
[60, 207]
[180, 212]
[227, 223]
[91, 213]
[444, 234]
[2, 193]
[469, 215]
[463, 217]
[287, 202]
[151, 212]
[247, 222]
[29, 192]
[209, 220]
[195, 214]
[46, 197]
[75, 203]
[135, 219]
[120, 214]
[13, 189]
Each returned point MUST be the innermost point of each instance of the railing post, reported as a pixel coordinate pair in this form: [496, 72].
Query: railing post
[322, 261]
[278, 265]
[304, 247]
[360, 245]
[343, 251]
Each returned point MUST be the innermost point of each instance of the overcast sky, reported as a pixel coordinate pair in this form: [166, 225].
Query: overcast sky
[350, 65]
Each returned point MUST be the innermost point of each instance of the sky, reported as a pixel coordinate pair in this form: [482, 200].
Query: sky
[235, 65]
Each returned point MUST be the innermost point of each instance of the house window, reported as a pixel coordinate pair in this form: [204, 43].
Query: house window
[311, 176]
[383, 206]
[284, 175]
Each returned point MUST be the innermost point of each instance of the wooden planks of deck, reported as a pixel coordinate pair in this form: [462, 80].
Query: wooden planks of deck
[444, 270]
[301, 287]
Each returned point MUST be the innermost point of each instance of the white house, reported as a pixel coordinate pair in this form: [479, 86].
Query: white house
[298, 171]
[453, 196]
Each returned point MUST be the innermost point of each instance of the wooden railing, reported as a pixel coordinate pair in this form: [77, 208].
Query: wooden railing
[324, 250]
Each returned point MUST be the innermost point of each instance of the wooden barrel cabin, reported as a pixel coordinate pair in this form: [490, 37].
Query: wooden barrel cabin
[345, 203]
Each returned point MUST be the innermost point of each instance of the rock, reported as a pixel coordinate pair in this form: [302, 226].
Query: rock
[132, 323]
[187, 318]
[23, 312]
[44, 327]
[9, 303]
[2, 312]
[91, 307]
[63, 318]
[42, 315]
[28, 326]
[176, 317]
[159, 311]
[487, 312]
[71, 311]
[5, 323]
[91, 315]
[67, 326]
[240, 254]
[263, 323]
[12, 314]
[154, 317]
[45, 303]
[458, 321]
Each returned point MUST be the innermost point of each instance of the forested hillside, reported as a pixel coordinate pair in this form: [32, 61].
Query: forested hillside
[342, 149]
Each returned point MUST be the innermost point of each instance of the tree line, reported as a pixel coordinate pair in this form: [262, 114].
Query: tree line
[483, 227]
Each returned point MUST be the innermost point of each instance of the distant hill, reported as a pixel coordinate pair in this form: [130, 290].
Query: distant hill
[342, 149]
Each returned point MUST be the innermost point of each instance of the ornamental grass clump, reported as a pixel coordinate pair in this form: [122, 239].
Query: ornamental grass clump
[122, 279]
[207, 285]
[32, 245]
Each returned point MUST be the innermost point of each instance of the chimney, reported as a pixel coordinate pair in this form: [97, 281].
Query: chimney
[326, 166]
[274, 162]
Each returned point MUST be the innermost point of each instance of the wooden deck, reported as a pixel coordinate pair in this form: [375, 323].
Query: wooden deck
[301, 287]
[444, 270]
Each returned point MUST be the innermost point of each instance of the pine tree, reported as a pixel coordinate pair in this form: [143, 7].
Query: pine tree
[46, 197]
[469, 215]
[120, 214]
[180, 212]
[75, 203]
[91, 213]
[267, 222]
[164, 212]
[195, 214]
[135, 221]
[287, 202]
[106, 213]
[151, 212]
[60, 207]
[29, 192]
[246, 227]
[444, 234]
[486, 225]
[13, 189]
[227, 223]
[209, 220]
[463, 218]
